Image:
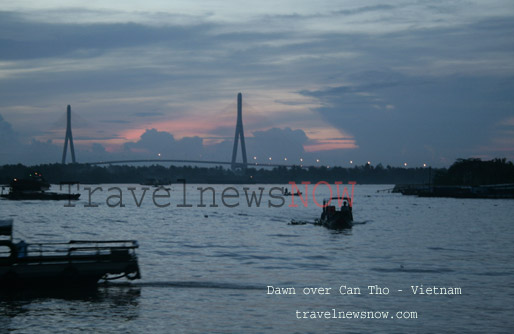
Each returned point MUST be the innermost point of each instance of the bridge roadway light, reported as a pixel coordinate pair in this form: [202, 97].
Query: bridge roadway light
[301, 159]
[285, 159]
[424, 165]
[405, 164]
[351, 162]
[317, 160]
[270, 158]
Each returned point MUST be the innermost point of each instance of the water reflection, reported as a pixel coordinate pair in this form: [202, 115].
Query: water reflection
[102, 301]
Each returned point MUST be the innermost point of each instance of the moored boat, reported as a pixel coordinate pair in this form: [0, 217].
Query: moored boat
[39, 195]
[73, 263]
[34, 188]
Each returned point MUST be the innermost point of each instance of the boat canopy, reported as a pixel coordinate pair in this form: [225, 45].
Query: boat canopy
[339, 200]
[6, 227]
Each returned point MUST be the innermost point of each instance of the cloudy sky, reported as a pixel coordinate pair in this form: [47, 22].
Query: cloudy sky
[386, 82]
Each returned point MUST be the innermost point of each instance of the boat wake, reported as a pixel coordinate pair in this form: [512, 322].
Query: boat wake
[302, 222]
[361, 223]
[316, 222]
[414, 270]
[187, 284]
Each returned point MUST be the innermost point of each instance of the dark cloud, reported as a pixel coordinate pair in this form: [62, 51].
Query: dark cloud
[292, 103]
[364, 9]
[116, 121]
[98, 148]
[148, 114]
[277, 142]
[403, 122]
[153, 142]
[15, 149]
[223, 131]
[9, 140]
[26, 39]
[341, 12]
[99, 138]
[6, 132]
[38, 152]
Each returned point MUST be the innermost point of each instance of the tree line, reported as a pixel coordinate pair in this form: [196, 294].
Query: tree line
[462, 172]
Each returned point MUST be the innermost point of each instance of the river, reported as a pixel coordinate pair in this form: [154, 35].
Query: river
[216, 269]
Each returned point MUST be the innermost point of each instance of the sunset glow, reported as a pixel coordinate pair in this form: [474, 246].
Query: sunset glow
[334, 144]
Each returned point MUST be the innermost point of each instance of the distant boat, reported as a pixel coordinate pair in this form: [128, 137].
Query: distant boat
[35, 182]
[75, 263]
[493, 191]
[334, 218]
[34, 188]
[288, 193]
[156, 182]
[39, 195]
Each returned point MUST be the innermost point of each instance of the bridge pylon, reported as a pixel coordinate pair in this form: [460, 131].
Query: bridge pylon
[69, 137]
[239, 136]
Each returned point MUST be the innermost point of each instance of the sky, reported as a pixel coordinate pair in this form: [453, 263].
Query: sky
[329, 82]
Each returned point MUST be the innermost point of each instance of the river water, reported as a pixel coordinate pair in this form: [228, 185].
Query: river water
[208, 269]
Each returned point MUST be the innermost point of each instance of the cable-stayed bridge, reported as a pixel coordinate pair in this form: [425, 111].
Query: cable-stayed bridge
[238, 138]
[208, 162]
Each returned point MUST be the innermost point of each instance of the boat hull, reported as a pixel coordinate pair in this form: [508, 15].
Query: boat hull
[337, 221]
[49, 196]
[73, 263]
[62, 274]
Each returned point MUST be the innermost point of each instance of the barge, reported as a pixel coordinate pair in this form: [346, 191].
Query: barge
[72, 263]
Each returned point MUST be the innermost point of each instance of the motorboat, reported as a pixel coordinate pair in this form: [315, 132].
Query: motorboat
[286, 192]
[338, 216]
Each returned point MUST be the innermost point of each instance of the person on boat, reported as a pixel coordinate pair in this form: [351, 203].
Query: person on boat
[345, 206]
[21, 247]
